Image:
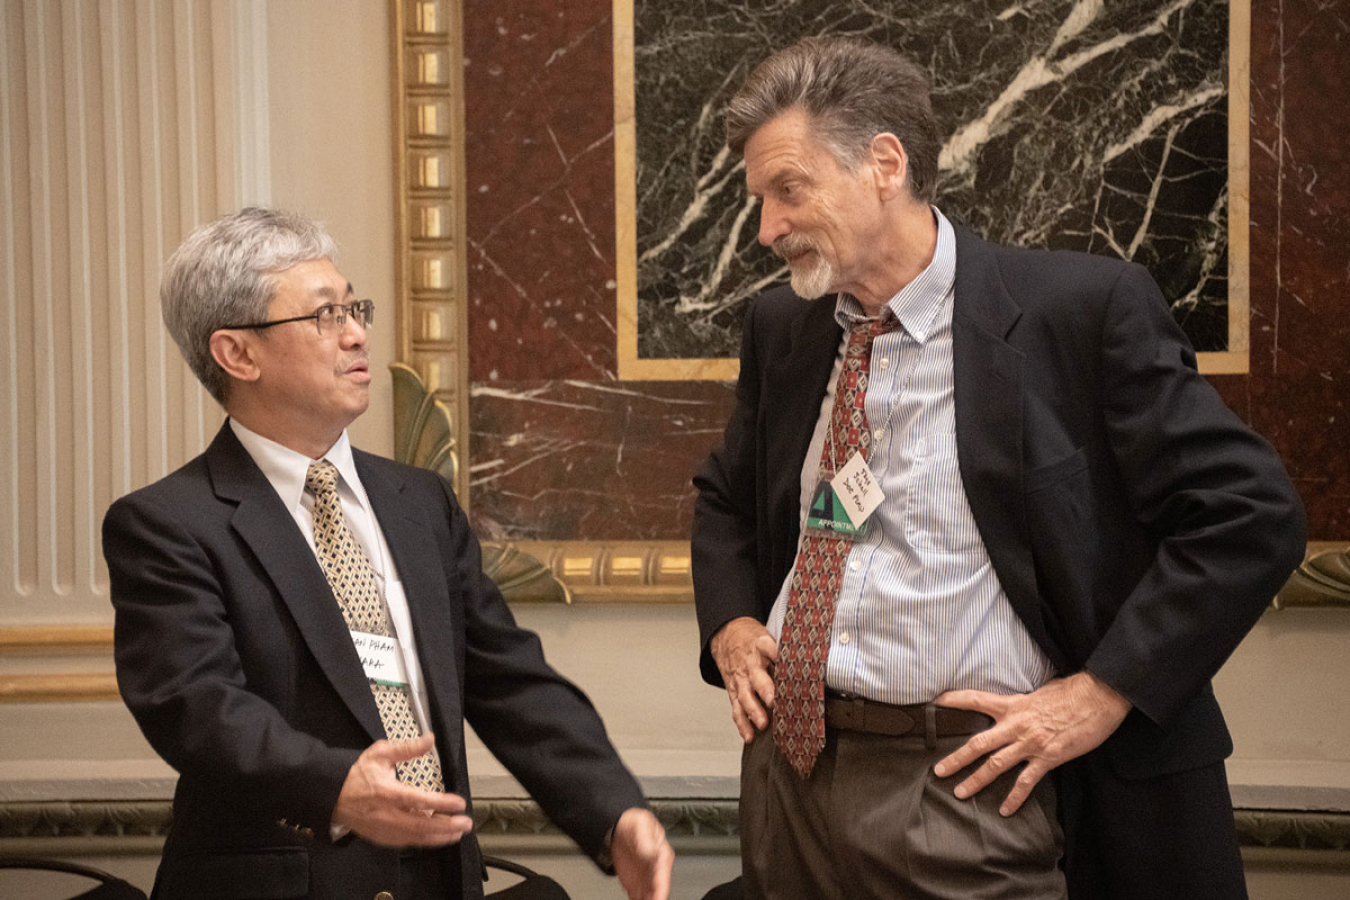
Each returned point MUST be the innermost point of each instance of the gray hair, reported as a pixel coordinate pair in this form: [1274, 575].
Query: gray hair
[225, 273]
[852, 90]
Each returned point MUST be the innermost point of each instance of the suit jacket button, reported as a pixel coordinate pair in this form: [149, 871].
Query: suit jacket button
[384, 895]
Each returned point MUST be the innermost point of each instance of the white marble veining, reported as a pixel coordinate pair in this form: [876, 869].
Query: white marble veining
[1070, 123]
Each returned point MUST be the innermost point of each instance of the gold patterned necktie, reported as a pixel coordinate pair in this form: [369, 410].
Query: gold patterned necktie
[361, 600]
[803, 648]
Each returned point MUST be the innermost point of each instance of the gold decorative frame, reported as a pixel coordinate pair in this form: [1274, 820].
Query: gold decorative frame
[1234, 360]
[431, 269]
[431, 320]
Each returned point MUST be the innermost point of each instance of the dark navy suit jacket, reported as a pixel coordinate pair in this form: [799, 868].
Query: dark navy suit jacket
[234, 659]
[1137, 526]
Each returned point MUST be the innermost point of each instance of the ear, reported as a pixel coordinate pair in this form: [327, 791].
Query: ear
[891, 164]
[233, 351]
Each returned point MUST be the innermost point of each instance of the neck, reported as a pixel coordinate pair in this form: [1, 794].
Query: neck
[312, 442]
[904, 250]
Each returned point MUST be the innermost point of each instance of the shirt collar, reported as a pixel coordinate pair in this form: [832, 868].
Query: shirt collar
[285, 469]
[915, 305]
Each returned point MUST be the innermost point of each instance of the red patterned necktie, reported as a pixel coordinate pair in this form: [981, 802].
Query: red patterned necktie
[799, 675]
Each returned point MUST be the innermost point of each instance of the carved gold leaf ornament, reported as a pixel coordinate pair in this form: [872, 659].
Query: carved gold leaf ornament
[1322, 580]
[423, 428]
[424, 437]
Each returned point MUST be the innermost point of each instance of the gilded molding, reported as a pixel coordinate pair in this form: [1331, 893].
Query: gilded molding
[58, 687]
[430, 269]
[1323, 581]
[49, 639]
[431, 273]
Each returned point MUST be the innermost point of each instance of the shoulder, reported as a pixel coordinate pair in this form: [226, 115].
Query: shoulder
[779, 320]
[186, 487]
[776, 309]
[1049, 275]
[413, 483]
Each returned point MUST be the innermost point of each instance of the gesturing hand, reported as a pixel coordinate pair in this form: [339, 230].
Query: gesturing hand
[642, 856]
[1059, 721]
[383, 810]
[743, 650]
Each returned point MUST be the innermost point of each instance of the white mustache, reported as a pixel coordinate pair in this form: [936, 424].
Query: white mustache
[792, 245]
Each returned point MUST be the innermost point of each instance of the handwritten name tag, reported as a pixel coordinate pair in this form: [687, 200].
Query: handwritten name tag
[381, 657]
[857, 489]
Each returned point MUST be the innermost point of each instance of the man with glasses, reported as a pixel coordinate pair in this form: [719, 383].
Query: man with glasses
[302, 629]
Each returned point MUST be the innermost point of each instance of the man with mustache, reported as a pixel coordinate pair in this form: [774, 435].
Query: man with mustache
[976, 541]
[302, 629]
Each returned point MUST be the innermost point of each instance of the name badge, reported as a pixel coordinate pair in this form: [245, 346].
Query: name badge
[381, 657]
[857, 490]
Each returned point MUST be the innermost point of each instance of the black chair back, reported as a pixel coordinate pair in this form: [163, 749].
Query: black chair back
[534, 886]
[108, 887]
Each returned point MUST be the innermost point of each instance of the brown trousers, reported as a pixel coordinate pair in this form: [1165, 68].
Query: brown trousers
[873, 821]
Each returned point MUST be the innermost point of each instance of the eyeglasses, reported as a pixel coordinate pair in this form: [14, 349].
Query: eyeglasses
[328, 319]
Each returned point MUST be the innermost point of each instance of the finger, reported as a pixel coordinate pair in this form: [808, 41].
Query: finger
[980, 701]
[401, 828]
[401, 798]
[665, 861]
[440, 804]
[761, 683]
[750, 705]
[1022, 788]
[437, 831]
[743, 726]
[767, 647]
[967, 753]
[395, 751]
[993, 768]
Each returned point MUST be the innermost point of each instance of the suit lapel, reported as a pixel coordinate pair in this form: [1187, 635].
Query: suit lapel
[422, 571]
[263, 523]
[795, 387]
[988, 396]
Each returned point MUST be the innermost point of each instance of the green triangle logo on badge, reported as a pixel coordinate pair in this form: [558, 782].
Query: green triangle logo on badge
[826, 512]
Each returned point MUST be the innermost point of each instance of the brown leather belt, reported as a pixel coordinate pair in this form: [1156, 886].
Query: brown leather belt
[922, 719]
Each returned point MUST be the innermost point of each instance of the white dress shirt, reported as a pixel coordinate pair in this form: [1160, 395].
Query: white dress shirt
[285, 470]
[920, 608]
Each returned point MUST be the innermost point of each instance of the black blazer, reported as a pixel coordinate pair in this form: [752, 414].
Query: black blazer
[234, 659]
[1137, 526]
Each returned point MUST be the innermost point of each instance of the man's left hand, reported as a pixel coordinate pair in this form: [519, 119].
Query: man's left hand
[642, 855]
[1059, 721]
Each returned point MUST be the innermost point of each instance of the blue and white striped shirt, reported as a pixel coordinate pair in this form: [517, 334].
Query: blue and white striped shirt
[920, 610]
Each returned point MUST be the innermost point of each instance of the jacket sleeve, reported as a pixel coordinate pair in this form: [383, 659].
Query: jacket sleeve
[180, 674]
[537, 723]
[724, 544]
[1228, 523]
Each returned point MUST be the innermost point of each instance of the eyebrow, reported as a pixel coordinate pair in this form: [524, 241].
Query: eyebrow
[787, 173]
[329, 296]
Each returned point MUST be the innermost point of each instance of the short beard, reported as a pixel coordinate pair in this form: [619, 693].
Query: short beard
[808, 281]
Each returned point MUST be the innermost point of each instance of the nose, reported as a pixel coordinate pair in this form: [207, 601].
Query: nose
[772, 223]
[353, 332]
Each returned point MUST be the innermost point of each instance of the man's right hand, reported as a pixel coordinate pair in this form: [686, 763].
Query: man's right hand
[383, 810]
[743, 650]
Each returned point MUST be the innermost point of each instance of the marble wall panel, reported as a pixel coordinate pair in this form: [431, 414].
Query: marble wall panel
[1070, 123]
[539, 159]
[586, 460]
[1295, 393]
[562, 451]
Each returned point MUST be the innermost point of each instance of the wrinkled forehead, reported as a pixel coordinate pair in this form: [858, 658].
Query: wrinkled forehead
[308, 285]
